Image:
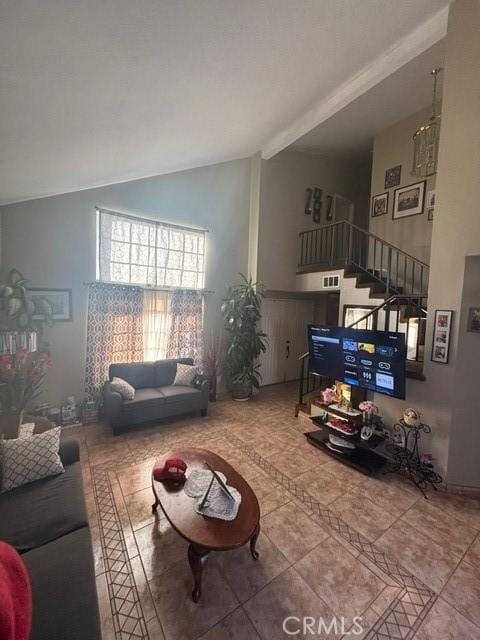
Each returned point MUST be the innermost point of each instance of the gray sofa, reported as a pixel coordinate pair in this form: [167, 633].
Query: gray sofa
[46, 521]
[156, 397]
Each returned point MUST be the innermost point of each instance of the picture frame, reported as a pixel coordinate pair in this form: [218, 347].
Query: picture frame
[473, 322]
[430, 204]
[409, 200]
[379, 205]
[60, 299]
[442, 330]
[392, 177]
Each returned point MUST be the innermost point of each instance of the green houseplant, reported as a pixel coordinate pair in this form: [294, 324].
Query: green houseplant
[18, 311]
[245, 342]
[21, 371]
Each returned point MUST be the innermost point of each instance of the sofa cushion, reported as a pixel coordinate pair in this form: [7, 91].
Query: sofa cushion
[165, 370]
[123, 388]
[28, 459]
[180, 394]
[185, 375]
[63, 589]
[44, 510]
[140, 375]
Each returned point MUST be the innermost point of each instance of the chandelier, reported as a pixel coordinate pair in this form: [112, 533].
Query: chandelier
[426, 139]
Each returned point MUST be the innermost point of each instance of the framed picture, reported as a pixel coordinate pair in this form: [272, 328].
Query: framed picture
[60, 299]
[430, 203]
[409, 200]
[392, 177]
[473, 322]
[379, 204]
[441, 336]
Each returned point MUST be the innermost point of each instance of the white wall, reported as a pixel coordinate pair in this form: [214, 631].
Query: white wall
[456, 234]
[52, 241]
[391, 147]
[284, 179]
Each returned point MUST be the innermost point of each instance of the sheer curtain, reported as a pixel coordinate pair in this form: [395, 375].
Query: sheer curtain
[157, 322]
[185, 339]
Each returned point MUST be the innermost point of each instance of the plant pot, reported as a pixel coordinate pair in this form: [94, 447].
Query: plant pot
[10, 424]
[241, 391]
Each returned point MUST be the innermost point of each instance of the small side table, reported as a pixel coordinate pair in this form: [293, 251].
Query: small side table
[406, 458]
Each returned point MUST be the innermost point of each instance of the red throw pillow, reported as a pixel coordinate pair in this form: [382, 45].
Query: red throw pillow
[15, 596]
[174, 469]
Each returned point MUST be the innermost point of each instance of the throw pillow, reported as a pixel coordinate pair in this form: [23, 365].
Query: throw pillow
[25, 460]
[185, 375]
[124, 388]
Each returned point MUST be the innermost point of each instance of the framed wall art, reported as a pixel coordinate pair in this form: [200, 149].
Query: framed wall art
[473, 322]
[60, 299]
[379, 204]
[430, 204]
[409, 200]
[392, 177]
[441, 336]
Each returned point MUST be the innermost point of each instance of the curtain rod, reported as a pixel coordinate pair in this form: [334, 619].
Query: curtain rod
[147, 288]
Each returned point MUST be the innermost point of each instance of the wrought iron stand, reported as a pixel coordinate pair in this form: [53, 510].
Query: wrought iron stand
[406, 457]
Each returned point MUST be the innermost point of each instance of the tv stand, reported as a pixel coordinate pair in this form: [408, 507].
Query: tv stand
[367, 456]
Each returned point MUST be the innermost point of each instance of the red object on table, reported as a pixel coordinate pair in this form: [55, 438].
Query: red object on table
[173, 469]
[15, 596]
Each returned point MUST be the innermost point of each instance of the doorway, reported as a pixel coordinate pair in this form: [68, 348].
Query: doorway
[285, 322]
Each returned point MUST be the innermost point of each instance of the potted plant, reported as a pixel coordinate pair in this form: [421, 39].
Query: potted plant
[18, 311]
[241, 312]
[21, 376]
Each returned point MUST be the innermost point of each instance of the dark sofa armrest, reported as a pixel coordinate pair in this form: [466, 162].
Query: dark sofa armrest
[69, 452]
[202, 383]
[112, 402]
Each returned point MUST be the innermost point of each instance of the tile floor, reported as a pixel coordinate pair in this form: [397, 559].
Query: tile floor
[335, 545]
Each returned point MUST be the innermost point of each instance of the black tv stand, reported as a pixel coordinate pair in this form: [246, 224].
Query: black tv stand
[367, 456]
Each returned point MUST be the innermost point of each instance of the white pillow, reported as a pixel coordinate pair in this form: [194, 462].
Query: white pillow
[124, 388]
[28, 459]
[26, 430]
[185, 375]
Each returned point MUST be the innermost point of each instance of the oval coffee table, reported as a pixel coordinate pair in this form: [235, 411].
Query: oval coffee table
[204, 533]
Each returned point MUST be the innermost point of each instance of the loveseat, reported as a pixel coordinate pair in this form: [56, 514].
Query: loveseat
[46, 521]
[156, 398]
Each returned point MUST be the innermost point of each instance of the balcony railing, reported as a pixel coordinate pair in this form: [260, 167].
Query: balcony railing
[343, 244]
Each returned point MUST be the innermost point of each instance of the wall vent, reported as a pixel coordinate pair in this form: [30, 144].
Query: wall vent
[331, 282]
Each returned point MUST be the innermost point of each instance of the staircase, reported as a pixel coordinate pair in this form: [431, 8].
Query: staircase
[390, 274]
[363, 255]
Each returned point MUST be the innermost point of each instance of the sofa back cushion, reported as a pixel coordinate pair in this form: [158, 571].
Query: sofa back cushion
[141, 375]
[166, 370]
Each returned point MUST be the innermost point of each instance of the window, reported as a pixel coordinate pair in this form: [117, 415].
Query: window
[145, 252]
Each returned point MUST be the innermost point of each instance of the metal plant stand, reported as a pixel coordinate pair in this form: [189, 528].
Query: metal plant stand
[406, 457]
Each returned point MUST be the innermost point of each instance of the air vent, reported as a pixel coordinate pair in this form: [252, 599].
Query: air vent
[331, 282]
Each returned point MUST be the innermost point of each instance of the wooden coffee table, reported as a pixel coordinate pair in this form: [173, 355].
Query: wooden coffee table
[204, 533]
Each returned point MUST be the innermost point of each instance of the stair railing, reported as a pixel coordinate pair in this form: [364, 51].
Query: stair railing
[413, 324]
[343, 244]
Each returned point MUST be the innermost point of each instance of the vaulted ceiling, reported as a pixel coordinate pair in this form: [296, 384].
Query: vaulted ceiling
[93, 93]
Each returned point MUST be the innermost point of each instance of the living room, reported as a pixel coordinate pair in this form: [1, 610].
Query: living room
[128, 212]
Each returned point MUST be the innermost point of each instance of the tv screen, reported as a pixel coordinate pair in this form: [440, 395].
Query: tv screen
[374, 360]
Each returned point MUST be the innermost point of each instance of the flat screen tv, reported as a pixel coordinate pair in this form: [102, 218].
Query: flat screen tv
[374, 360]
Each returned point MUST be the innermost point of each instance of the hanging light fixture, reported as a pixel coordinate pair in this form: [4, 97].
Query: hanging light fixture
[426, 139]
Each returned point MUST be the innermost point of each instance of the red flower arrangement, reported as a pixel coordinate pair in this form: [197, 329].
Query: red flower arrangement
[21, 376]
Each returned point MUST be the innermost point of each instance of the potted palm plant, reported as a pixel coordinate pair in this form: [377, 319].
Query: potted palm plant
[245, 342]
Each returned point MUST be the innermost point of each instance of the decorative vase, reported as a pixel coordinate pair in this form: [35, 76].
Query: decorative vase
[10, 422]
[241, 391]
